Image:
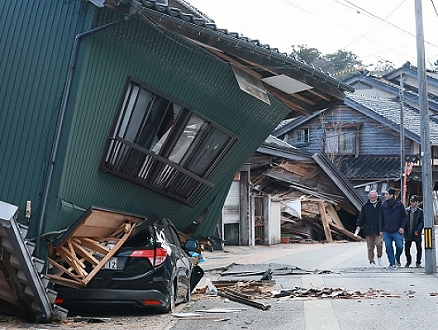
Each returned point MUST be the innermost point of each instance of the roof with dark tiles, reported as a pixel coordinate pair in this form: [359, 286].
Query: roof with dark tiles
[370, 167]
[390, 82]
[387, 111]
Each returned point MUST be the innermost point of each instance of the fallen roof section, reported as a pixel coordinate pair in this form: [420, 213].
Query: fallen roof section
[23, 287]
[312, 174]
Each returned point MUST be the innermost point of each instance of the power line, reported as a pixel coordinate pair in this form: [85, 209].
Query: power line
[434, 8]
[375, 26]
[381, 19]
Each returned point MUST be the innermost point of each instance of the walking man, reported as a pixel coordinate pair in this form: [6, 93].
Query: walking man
[368, 221]
[392, 221]
[413, 230]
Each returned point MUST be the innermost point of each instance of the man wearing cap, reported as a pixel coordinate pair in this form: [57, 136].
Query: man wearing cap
[392, 223]
[413, 229]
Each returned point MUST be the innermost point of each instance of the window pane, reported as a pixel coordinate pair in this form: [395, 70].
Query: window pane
[302, 135]
[186, 138]
[136, 103]
[158, 120]
[331, 142]
[153, 125]
[166, 127]
[207, 152]
[347, 142]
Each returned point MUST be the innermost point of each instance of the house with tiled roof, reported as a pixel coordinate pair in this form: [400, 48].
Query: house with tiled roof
[363, 136]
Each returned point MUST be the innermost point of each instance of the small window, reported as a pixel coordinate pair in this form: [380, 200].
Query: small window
[340, 141]
[162, 145]
[300, 138]
[301, 135]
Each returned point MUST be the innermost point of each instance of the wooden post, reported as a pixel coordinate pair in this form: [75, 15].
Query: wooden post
[325, 222]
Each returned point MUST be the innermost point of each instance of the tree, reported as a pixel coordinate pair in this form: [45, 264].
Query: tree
[342, 60]
[303, 53]
[339, 63]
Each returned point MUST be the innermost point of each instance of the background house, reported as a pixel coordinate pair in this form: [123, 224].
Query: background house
[362, 137]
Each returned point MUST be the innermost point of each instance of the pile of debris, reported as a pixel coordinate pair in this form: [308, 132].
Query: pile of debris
[303, 215]
[333, 293]
[251, 292]
[244, 292]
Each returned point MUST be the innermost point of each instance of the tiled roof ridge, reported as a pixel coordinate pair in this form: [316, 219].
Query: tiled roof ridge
[209, 26]
[413, 67]
[191, 7]
[371, 97]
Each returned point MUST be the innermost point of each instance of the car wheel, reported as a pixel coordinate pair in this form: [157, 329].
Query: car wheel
[171, 303]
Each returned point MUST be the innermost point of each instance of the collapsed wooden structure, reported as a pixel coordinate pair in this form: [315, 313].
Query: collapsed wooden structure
[316, 214]
[84, 249]
[328, 205]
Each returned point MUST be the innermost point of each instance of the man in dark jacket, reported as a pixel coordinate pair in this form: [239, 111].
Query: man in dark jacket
[413, 230]
[368, 221]
[392, 223]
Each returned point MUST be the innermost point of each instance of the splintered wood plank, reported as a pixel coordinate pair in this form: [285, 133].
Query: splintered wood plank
[71, 260]
[128, 228]
[87, 255]
[334, 215]
[345, 232]
[85, 243]
[63, 270]
[93, 244]
[325, 222]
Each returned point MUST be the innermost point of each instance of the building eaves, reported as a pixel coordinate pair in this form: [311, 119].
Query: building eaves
[389, 86]
[272, 141]
[292, 124]
[321, 160]
[260, 60]
[410, 70]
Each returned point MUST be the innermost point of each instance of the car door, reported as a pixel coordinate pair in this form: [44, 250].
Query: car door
[183, 263]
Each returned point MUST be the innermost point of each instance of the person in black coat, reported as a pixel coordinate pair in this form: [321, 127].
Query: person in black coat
[413, 230]
[368, 221]
[392, 224]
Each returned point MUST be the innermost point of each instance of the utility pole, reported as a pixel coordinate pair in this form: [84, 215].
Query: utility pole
[402, 143]
[426, 165]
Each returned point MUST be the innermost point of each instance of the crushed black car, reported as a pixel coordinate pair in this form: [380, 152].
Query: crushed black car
[151, 270]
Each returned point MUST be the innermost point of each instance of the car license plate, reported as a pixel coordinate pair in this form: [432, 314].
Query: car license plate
[111, 264]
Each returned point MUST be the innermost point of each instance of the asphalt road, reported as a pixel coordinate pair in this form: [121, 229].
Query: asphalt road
[403, 298]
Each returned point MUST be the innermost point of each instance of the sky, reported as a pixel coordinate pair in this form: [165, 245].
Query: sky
[372, 29]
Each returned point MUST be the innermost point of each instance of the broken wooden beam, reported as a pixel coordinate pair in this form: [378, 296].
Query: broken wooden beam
[235, 296]
[325, 222]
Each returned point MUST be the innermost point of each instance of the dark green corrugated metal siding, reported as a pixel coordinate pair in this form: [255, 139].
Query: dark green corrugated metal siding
[174, 67]
[35, 45]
